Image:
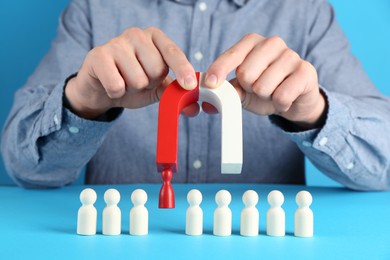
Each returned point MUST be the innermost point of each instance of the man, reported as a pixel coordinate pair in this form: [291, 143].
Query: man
[302, 91]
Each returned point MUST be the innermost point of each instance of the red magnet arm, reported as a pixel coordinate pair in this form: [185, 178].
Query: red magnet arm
[172, 101]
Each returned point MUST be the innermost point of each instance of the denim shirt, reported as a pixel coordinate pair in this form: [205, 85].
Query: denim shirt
[46, 145]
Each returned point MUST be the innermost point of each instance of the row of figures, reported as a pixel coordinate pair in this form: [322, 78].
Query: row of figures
[249, 222]
[87, 214]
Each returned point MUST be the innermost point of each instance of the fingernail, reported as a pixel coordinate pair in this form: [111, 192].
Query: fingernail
[212, 80]
[190, 82]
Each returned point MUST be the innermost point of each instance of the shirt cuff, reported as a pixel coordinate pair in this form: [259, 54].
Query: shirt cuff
[331, 139]
[67, 125]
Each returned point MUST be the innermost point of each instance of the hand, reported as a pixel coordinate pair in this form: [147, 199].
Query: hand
[271, 79]
[129, 71]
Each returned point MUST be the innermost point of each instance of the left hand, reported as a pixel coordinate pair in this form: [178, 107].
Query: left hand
[271, 79]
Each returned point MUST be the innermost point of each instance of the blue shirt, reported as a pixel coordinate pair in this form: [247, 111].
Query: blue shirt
[45, 145]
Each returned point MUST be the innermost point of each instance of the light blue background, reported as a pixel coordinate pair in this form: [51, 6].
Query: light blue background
[27, 28]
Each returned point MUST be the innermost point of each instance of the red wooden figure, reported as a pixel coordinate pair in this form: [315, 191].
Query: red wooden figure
[167, 195]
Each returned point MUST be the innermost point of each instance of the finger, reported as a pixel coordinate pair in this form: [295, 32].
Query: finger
[104, 69]
[191, 110]
[151, 61]
[289, 91]
[276, 73]
[175, 59]
[209, 109]
[261, 57]
[131, 70]
[251, 102]
[145, 96]
[230, 60]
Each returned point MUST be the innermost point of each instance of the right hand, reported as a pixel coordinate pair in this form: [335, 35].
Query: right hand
[129, 71]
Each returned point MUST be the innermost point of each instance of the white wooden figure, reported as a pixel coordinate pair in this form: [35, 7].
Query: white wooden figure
[222, 214]
[194, 213]
[249, 224]
[112, 213]
[139, 216]
[87, 214]
[303, 217]
[228, 103]
[276, 218]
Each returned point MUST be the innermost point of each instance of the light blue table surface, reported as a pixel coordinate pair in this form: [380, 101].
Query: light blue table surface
[41, 224]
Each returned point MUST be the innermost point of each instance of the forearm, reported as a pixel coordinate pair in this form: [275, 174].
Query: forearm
[44, 144]
[352, 146]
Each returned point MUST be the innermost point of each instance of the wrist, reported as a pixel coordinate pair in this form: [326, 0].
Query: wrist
[76, 104]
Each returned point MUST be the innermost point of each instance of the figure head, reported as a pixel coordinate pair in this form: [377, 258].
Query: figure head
[275, 198]
[139, 197]
[223, 198]
[303, 199]
[194, 197]
[88, 196]
[112, 197]
[250, 198]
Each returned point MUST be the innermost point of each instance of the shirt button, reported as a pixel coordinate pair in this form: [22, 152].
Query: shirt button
[197, 164]
[350, 166]
[73, 129]
[202, 6]
[306, 144]
[323, 141]
[198, 56]
[55, 119]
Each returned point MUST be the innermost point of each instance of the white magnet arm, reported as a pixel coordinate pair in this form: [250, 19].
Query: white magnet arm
[226, 100]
